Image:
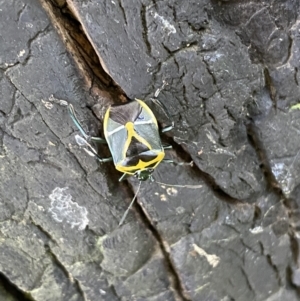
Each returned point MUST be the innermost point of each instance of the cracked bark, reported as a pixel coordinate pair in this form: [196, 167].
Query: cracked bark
[222, 211]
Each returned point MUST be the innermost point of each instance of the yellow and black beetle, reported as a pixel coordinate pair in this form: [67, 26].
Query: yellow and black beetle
[132, 134]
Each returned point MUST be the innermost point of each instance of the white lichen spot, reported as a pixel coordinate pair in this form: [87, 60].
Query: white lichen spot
[63, 209]
[256, 230]
[165, 23]
[102, 292]
[229, 220]
[21, 53]
[51, 143]
[283, 175]
[224, 151]
[213, 58]
[278, 169]
[180, 210]
[172, 191]
[210, 137]
[213, 260]
[41, 208]
[163, 198]
[47, 104]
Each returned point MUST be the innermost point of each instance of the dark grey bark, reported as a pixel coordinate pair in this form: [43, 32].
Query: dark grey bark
[226, 228]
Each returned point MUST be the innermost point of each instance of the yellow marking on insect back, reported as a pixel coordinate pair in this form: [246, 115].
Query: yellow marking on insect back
[132, 133]
[105, 122]
[141, 164]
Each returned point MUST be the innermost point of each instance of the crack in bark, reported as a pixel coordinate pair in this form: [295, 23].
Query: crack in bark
[145, 29]
[248, 281]
[290, 46]
[275, 269]
[20, 12]
[210, 72]
[43, 231]
[9, 66]
[295, 76]
[14, 290]
[175, 278]
[287, 203]
[270, 87]
[79, 45]
[207, 178]
[31, 40]
[60, 265]
[123, 11]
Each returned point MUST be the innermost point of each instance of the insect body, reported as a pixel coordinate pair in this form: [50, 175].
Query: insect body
[132, 134]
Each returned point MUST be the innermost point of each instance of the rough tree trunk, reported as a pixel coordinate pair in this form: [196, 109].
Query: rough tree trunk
[229, 230]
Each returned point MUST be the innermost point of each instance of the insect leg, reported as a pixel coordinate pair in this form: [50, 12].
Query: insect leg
[167, 128]
[72, 113]
[82, 141]
[104, 160]
[160, 89]
[97, 140]
[165, 110]
[123, 177]
[76, 121]
[90, 150]
[80, 128]
[162, 106]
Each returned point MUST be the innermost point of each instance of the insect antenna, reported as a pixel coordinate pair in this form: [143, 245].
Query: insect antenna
[126, 212]
[181, 186]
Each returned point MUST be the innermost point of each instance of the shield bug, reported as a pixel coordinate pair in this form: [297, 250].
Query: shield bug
[132, 134]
